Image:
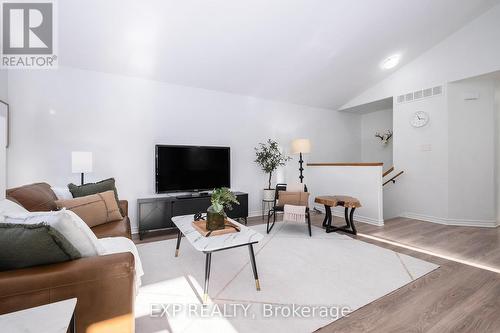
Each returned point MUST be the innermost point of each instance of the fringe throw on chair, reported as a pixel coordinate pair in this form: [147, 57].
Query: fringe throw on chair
[294, 213]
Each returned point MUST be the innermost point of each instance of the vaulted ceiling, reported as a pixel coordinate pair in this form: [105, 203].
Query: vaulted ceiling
[314, 52]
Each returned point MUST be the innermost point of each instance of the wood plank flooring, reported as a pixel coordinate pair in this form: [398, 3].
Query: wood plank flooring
[457, 297]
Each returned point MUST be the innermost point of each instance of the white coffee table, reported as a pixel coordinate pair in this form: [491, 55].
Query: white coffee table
[208, 245]
[50, 318]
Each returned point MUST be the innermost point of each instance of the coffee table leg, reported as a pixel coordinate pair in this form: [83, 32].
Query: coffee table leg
[254, 266]
[179, 236]
[208, 261]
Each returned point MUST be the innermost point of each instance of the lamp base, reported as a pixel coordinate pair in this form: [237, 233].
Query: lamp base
[301, 161]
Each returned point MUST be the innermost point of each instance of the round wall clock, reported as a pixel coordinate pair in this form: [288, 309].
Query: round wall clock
[419, 119]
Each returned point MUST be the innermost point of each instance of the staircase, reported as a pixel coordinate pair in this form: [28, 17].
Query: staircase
[390, 176]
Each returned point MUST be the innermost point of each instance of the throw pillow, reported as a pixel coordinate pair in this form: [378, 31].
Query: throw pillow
[67, 223]
[293, 198]
[26, 245]
[8, 206]
[94, 188]
[36, 197]
[94, 209]
[62, 193]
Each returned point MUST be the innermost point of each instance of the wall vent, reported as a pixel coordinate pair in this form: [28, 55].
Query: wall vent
[420, 94]
[437, 90]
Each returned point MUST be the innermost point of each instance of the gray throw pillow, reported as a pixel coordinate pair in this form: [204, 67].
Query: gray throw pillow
[93, 188]
[26, 245]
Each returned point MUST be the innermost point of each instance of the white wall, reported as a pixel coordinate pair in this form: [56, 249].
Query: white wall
[422, 153]
[120, 119]
[422, 192]
[497, 149]
[372, 149]
[3, 84]
[3, 128]
[362, 182]
[471, 51]
[449, 164]
[471, 153]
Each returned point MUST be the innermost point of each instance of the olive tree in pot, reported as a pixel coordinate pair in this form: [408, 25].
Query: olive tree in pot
[222, 198]
[269, 158]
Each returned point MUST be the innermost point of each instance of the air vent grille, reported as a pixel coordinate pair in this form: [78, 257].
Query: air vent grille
[420, 94]
[437, 90]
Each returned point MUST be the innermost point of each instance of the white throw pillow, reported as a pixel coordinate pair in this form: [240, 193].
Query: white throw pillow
[62, 193]
[68, 224]
[123, 244]
[10, 207]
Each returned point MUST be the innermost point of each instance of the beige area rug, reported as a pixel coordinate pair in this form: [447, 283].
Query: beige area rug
[306, 282]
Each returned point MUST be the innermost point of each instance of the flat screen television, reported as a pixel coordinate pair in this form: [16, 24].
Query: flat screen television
[192, 168]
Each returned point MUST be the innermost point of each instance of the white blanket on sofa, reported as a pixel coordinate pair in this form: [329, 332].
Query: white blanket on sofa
[123, 244]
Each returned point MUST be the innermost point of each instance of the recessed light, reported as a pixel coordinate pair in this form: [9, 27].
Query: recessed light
[391, 62]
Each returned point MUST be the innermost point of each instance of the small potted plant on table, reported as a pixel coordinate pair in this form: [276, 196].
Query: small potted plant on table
[222, 198]
[269, 158]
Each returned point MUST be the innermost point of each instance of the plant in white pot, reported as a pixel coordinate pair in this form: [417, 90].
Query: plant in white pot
[269, 158]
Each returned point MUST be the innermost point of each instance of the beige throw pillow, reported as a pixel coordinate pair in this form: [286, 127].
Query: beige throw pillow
[94, 209]
[293, 198]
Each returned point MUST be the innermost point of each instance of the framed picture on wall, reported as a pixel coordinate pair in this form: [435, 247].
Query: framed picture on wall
[4, 113]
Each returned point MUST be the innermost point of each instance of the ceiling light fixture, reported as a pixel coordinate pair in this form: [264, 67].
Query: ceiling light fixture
[391, 62]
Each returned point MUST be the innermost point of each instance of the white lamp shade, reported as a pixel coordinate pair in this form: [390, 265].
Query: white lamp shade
[81, 162]
[301, 146]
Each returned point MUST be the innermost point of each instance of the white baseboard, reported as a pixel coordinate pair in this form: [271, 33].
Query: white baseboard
[357, 217]
[455, 222]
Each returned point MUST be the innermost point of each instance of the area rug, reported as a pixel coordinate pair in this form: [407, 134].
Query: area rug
[306, 282]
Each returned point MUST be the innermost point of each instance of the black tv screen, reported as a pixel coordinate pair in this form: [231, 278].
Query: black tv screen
[192, 168]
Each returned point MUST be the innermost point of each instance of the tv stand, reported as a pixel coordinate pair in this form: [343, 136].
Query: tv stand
[156, 213]
[193, 195]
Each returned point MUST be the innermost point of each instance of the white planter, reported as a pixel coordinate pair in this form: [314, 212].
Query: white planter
[269, 195]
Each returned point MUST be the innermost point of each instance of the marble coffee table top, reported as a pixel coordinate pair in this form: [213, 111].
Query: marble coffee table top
[215, 243]
[53, 318]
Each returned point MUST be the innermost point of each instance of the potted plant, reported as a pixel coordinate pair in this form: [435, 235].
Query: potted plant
[269, 158]
[221, 198]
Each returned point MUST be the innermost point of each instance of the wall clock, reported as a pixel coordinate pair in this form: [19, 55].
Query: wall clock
[419, 119]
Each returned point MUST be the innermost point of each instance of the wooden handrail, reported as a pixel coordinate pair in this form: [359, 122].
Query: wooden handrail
[393, 178]
[388, 171]
[346, 164]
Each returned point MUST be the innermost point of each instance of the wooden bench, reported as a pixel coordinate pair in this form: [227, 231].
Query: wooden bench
[347, 202]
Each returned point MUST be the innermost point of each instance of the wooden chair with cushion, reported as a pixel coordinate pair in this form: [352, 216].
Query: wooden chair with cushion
[296, 195]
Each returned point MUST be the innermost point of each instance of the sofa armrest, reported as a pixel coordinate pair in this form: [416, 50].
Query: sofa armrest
[124, 206]
[103, 286]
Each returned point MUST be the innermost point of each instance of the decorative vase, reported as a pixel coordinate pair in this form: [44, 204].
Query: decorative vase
[269, 195]
[215, 221]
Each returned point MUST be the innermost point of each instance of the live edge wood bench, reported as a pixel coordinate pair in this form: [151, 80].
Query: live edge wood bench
[347, 202]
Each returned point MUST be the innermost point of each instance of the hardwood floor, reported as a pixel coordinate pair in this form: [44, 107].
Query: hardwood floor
[457, 297]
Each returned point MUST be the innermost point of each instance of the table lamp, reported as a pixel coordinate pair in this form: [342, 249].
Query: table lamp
[81, 162]
[301, 146]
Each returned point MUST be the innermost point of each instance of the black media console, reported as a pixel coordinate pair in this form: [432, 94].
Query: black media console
[156, 213]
